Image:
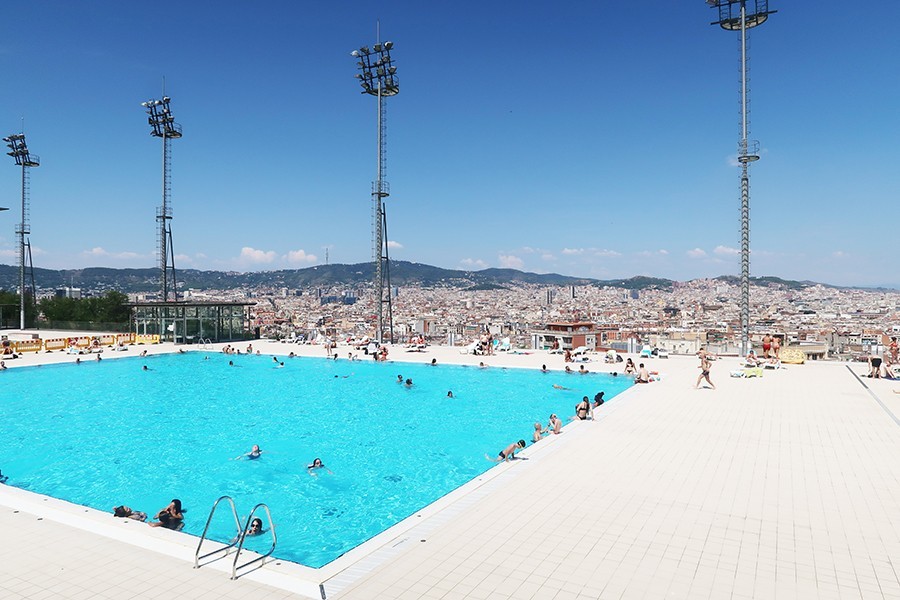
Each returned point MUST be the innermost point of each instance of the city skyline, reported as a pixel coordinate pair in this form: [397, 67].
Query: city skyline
[584, 140]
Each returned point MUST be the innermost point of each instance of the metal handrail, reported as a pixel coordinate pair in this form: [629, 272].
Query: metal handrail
[234, 566]
[238, 537]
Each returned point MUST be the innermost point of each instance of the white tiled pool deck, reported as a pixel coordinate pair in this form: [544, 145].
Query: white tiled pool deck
[786, 486]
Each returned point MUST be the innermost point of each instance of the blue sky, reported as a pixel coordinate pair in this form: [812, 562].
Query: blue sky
[593, 139]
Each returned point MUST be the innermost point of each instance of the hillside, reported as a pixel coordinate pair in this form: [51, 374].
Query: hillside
[403, 273]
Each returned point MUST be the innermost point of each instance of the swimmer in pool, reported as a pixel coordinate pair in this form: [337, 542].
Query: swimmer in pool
[538, 432]
[508, 453]
[554, 425]
[126, 513]
[449, 393]
[399, 378]
[254, 453]
[255, 528]
[559, 387]
[316, 465]
[409, 383]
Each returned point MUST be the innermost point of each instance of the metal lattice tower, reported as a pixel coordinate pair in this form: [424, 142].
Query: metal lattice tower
[378, 77]
[163, 125]
[742, 15]
[26, 160]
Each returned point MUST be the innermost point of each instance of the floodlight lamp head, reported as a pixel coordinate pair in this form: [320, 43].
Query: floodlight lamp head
[354, 53]
[388, 45]
[364, 50]
[377, 47]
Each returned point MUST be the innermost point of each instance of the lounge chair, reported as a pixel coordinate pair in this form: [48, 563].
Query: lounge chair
[646, 352]
[470, 349]
[504, 346]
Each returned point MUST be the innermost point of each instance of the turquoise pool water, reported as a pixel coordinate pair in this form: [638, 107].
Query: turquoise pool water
[108, 433]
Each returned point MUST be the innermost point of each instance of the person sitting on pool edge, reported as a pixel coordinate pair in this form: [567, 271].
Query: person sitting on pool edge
[255, 528]
[538, 432]
[126, 513]
[315, 465]
[508, 453]
[582, 409]
[171, 517]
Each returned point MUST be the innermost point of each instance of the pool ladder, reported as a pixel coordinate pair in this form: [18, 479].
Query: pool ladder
[239, 537]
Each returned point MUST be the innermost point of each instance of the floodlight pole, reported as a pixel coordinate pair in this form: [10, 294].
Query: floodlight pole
[19, 152]
[163, 125]
[747, 151]
[378, 78]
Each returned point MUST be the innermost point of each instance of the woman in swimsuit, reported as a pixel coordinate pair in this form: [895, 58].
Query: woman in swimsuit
[126, 513]
[171, 517]
[255, 527]
[582, 409]
[315, 465]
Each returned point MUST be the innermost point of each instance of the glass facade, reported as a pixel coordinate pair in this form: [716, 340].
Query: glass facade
[189, 323]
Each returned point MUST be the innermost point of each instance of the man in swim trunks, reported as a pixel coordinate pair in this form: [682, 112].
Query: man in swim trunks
[705, 366]
[508, 453]
[766, 345]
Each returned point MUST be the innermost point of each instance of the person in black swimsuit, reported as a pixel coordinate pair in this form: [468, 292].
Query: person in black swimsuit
[508, 453]
[171, 517]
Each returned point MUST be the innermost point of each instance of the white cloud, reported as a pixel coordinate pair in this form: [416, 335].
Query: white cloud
[570, 251]
[839, 254]
[300, 256]
[649, 253]
[394, 245]
[528, 250]
[696, 253]
[608, 253]
[474, 262]
[252, 256]
[726, 251]
[509, 261]
[9, 253]
[98, 252]
[548, 256]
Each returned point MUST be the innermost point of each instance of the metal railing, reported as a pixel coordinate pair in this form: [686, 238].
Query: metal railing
[239, 535]
[234, 566]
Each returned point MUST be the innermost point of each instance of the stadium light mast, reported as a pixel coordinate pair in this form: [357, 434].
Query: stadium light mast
[163, 125]
[26, 160]
[378, 77]
[742, 15]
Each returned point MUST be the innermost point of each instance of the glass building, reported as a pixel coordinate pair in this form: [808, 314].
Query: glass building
[191, 322]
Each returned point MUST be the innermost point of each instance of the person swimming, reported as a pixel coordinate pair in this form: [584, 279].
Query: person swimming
[255, 528]
[315, 465]
[254, 453]
[126, 513]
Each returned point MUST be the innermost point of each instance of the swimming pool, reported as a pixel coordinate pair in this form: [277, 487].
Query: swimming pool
[108, 433]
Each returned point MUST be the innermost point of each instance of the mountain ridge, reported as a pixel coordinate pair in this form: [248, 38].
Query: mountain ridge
[403, 273]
